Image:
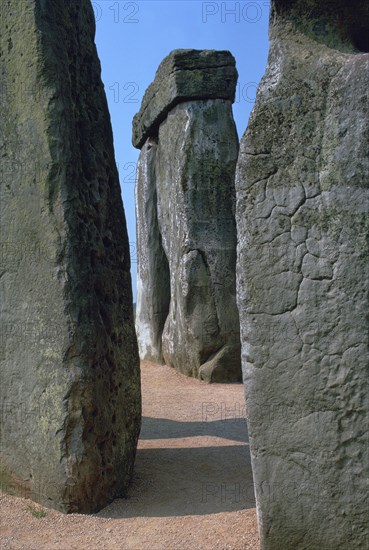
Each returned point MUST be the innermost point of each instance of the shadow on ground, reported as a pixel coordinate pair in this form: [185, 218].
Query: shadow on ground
[234, 429]
[184, 477]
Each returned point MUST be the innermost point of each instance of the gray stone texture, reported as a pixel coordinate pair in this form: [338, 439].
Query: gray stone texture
[70, 387]
[195, 169]
[303, 277]
[185, 199]
[181, 76]
[153, 283]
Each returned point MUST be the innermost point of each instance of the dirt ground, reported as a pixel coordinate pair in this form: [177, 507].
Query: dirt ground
[192, 488]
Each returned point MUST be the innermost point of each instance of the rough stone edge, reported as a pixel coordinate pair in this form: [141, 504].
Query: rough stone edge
[167, 72]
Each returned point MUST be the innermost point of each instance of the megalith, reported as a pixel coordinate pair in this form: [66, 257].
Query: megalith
[70, 386]
[303, 277]
[186, 233]
[153, 284]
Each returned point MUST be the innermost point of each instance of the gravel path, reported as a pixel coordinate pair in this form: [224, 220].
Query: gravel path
[192, 488]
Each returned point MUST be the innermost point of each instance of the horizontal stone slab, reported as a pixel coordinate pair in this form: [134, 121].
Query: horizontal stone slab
[184, 75]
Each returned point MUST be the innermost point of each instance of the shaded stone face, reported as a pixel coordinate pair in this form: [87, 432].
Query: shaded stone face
[70, 388]
[185, 199]
[153, 280]
[302, 280]
[341, 24]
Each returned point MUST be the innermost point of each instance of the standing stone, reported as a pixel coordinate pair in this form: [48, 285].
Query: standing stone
[185, 198]
[303, 278]
[70, 388]
[153, 284]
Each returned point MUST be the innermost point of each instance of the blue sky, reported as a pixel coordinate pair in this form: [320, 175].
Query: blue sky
[132, 38]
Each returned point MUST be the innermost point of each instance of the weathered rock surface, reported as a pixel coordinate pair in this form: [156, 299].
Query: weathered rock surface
[181, 76]
[303, 278]
[70, 388]
[153, 283]
[185, 200]
[195, 169]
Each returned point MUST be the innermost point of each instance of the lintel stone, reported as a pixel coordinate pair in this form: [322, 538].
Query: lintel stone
[184, 75]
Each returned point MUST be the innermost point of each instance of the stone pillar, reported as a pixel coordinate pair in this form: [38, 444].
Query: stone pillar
[70, 386]
[153, 284]
[185, 200]
[303, 278]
